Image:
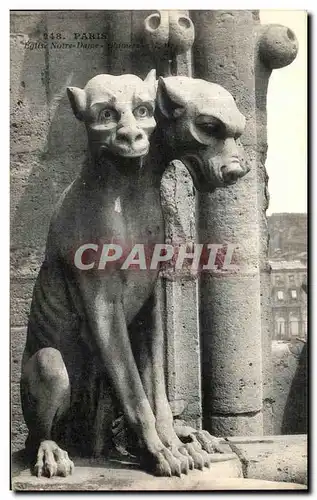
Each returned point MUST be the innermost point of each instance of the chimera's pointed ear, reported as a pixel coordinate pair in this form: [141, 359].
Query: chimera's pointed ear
[151, 76]
[77, 99]
[169, 103]
[150, 80]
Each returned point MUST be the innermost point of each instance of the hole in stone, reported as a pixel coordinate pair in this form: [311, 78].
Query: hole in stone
[154, 21]
[290, 34]
[184, 22]
[186, 439]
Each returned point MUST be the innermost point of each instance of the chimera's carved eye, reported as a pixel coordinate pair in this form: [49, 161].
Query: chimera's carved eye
[108, 115]
[141, 112]
[212, 127]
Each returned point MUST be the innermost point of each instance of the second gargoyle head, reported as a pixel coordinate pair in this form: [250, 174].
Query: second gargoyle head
[201, 125]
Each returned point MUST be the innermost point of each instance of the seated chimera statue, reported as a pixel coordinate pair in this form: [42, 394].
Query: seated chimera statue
[116, 198]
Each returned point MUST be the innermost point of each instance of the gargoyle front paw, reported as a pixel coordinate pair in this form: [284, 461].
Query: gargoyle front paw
[200, 439]
[209, 443]
[52, 461]
[184, 457]
[199, 456]
[162, 463]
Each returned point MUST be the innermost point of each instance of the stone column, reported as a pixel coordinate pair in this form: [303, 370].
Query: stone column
[169, 35]
[230, 300]
[276, 46]
[234, 50]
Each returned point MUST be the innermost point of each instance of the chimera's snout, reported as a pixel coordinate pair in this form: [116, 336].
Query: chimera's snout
[232, 171]
[129, 136]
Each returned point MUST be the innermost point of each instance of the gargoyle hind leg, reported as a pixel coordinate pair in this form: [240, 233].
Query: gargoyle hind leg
[199, 445]
[45, 395]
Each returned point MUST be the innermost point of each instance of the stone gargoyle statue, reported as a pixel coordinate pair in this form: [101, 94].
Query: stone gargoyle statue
[88, 291]
[200, 125]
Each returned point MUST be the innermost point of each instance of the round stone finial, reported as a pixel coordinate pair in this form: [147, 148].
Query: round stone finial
[156, 30]
[278, 46]
[169, 31]
[182, 32]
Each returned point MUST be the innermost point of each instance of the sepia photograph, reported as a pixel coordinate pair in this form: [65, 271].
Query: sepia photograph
[158, 250]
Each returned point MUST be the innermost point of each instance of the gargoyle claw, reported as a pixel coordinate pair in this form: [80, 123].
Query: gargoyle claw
[52, 461]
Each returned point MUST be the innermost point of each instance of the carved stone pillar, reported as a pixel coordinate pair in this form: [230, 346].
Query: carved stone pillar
[181, 298]
[276, 46]
[235, 308]
[230, 301]
[169, 35]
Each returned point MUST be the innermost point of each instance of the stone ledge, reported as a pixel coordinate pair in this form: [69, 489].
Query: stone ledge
[122, 475]
[119, 475]
[221, 476]
[274, 458]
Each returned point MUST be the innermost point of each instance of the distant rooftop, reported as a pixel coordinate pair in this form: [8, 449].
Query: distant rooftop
[286, 264]
[288, 236]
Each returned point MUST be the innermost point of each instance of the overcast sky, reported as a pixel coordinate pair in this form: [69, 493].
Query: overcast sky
[287, 157]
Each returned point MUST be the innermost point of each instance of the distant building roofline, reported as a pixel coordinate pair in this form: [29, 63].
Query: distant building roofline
[288, 213]
[280, 265]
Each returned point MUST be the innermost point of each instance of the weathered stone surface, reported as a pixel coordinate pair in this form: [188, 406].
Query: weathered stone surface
[39, 120]
[178, 204]
[29, 128]
[90, 476]
[29, 117]
[276, 458]
[37, 182]
[17, 337]
[209, 166]
[183, 350]
[170, 32]
[262, 74]
[236, 424]
[267, 366]
[278, 46]
[284, 369]
[25, 264]
[92, 55]
[236, 386]
[20, 301]
[290, 387]
[27, 21]
[243, 67]
[18, 427]
[19, 430]
[230, 304]
[275, 46]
